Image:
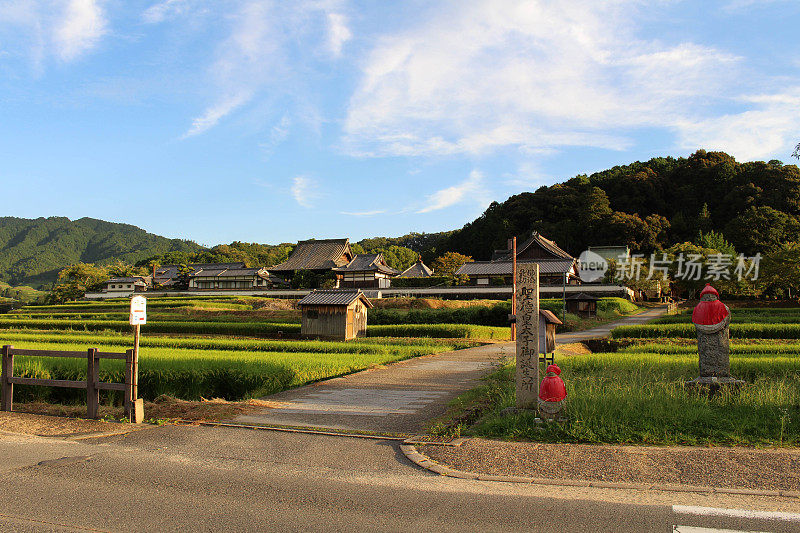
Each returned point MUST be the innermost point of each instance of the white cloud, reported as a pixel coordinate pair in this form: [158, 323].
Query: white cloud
[261, 61]
[338, 33]
[476, 76]
[81, 27]
[215, 113]
[277, 134]
[65, 29]
[165, 10]
[363, 213]
[305, 191]
[757, 133]
[470, 189]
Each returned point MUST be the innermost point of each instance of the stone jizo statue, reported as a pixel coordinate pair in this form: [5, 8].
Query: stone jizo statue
[712, 321]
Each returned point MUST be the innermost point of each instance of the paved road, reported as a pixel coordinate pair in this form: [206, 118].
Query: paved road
[400, 398]
[174, 478]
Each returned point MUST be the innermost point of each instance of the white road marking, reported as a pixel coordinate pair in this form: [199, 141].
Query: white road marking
[736, 513]
[693, 529]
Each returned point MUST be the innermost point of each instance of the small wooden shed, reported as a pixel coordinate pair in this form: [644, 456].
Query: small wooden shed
[582, 304]
[334, 314]
[547, 331]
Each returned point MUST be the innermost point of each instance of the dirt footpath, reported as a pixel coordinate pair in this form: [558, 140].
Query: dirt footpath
[56, 426]
[747, 468]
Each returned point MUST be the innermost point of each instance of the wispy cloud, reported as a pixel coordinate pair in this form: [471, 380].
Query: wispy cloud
[277, 134]
[474, 77]
[363, 213]
[260, 62]
[471, 188]
[305, 191]
[165, 10]
[66, 29]
[768, 128]
[214, 114]
[338, 33]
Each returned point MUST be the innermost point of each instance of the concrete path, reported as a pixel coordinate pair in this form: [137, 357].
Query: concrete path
[400, 398]
[605, 330]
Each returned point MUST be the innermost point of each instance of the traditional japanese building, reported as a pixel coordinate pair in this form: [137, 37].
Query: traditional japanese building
[126, 286]
[318, 256]
[165, 275]
[232, 279]
[582, 304]
[366, 271]
[556, 267]
[417, 270]
[334, 314]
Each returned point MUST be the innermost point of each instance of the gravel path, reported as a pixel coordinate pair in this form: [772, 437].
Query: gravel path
[770, 469]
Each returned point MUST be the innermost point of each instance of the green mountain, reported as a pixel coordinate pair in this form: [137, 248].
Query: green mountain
[33, 251]
[649, 206]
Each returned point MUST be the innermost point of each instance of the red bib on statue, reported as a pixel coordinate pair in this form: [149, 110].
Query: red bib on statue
[552, 388]
[708, 313]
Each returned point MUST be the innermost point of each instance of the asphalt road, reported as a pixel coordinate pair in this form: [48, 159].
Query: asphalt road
[174, 478]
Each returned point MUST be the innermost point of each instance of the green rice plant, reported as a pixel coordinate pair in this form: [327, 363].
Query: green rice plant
[410, 347]
[738, 331]
[640, 398]
[195, 373]
[455, 331]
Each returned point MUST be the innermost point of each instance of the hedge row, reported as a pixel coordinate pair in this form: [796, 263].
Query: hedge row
[738, 331]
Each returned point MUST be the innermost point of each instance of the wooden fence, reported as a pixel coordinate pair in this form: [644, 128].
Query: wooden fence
[134, 408]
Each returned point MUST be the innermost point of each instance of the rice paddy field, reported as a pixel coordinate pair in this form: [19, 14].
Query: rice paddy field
[636, 394]
[230, 348]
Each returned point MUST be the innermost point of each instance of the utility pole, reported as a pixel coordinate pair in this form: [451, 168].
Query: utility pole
[514, 286]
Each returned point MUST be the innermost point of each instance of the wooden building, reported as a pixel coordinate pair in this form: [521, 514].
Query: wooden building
[127, 286]
[556, 267]
[582, 304]
[318, 256]
[547, 335]
[167, 275]
[366, 271]
[417, 270]
[242, 279]
[334, 314]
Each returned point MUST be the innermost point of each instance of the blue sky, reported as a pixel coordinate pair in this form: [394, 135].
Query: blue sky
[273, 121]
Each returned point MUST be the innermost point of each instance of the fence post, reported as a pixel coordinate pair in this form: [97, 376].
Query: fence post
[7, 389]
[127, 401]
[92, 384]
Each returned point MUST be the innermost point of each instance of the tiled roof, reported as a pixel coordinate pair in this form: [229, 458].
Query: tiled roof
[171, 271]
[334, 297]
[417, 270]
[546, 244]
[137, 279]
[317, 255]
[582, 296]
[228, 272]
[500, 268]
[368, 262]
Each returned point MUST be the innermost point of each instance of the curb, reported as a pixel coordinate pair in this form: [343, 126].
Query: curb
[423, 461]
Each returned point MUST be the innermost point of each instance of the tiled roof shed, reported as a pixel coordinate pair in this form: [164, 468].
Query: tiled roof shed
[499, 268]
[417, 270]
[368, 263]
[324, 254]
[333, 297]
[536, 238]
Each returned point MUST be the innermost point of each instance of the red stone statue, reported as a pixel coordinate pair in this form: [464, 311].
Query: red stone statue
[552, 393]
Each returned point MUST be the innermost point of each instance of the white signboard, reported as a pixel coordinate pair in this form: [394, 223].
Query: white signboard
[138, 310]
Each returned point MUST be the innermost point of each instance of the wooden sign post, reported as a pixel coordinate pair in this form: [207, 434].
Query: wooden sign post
[134, 406]
[527, 313]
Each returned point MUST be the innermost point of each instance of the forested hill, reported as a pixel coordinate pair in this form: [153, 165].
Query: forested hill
[33, 251]
[649, 205]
